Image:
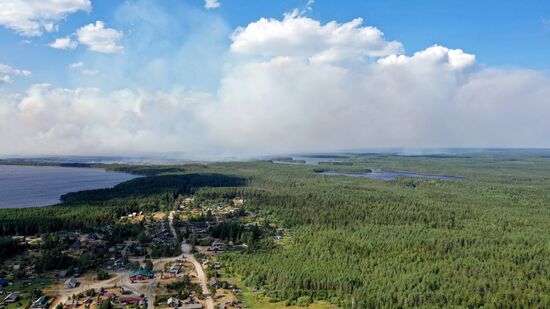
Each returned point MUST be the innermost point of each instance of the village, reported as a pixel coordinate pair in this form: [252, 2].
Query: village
[158, 260]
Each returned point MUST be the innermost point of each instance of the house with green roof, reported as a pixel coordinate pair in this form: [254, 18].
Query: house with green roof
[140, 275]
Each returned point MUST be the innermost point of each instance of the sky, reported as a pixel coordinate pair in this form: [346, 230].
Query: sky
[242, 77]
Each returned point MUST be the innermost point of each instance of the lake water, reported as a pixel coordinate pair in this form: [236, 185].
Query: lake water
[31, 186]
[310, 160]
[377, 173]
[391, 175]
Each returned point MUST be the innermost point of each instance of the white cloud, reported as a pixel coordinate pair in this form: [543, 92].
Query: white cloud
[33, 17]
[64, 43]
[454, 58]
[88, 120]
[286, 103]
[6, 79]
[212, 4]
[290, 105]
[76, 65]
[81, 68]
[100, 39]
[6, 69]
[309, 5]
[300, 36]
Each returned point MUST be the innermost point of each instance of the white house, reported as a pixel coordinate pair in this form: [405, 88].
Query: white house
[71, 283]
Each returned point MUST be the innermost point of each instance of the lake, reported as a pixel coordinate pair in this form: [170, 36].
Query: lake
[33, 186]
[376, 173]
[391, 175]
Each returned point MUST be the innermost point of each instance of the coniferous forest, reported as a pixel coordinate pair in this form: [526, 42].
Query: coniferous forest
[482, 240]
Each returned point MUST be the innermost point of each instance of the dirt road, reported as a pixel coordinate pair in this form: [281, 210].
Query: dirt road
[186, 252]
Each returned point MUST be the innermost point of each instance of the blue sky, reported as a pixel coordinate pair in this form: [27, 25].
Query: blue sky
[103, 76]
[499, 33]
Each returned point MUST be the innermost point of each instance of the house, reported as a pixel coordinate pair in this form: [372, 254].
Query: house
[69, 235]
[4, 282]
[173, 302]
[71, 303]
[133, 300]
[175, 269]
[40, 303]
[76, 245]
[140, 275]
[217, 246]
[62, 274]
[232, 303]
[71, 283]
[29, 271]
[189, 300]
[119, 263]
[214, 283]
[11, 298]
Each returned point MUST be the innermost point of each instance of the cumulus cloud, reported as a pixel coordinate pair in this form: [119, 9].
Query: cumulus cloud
[7, 71]
[64, 43]
[212, 4]
[301, 36]
[80, 67]
[453, 58]
[284, 102]
[49, 119]
[100, 39]
[32, 18]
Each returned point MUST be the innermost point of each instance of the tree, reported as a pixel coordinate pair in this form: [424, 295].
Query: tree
[149, 265]
[36, 293]
[142, 238]
[107, 304]
[103, 275]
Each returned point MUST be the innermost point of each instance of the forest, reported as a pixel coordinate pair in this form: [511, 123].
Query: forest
[482, 240]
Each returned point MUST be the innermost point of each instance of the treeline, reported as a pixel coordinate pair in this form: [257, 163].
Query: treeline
[145, 186]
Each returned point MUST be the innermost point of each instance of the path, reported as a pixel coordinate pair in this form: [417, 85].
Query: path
[186, 252]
